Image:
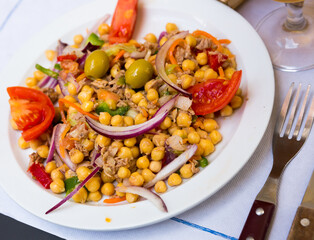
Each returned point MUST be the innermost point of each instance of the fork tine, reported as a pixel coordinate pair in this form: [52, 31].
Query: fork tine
[301, 114]
[294, 106]
[284, 110]
[309, 121]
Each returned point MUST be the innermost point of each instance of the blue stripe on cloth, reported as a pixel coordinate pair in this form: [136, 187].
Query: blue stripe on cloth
[203, 228]
[9, 15]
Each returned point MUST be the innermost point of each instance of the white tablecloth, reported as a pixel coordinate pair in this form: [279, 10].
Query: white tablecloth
[221, 216]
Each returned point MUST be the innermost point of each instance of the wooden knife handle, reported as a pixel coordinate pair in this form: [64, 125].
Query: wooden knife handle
[303, 225]
[257, 223]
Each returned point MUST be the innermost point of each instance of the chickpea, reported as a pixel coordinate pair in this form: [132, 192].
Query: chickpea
[38, 75]
[202, 133]
[208, 147]
[93, 184]
[124, 172]
[146, 146]
[43, 151]
[174, 180]
[194, 137]
[215, 137]
[130, 197]
[128, 121]
[120, 194]
[71, 89]
[82, 172]
[136, 179]
[155, 166]
[210, 74]
[106, 178]
[76, 156]
[135, 151]
[239, 92]
[160, 187]
[142, 162]
[80, 196]
[57, 186]
[191, 40]
[102, 141]
[117, 121]
[148, 175]
[56, 173]
[114, 70]
[173, 128]
[103, 29]
[152, 94]
[188, 65]
[117, 144]
[171, 27]
[199, 74]
[187, 81]
[107, 189]
[186, 171]
[104, 118]
[87, 106]
[199, 150]
[162, 41]
[137, 97]
[150, 37]
[158, 153]
[78, 39]
[70, 99]
[173, 78]
[226, 111]
[179, 132]
[166, 123]
[92, 135]
[210, 125]
[69, 174]
[143, 103]
[229, 72]
[149, 85]
[159, 140]
[34, 144]
[236, 102]
[201, 58]
[125, 153]
[30, 82]
[94, 196]
[184, 119]
[112, 104]
[50, 54]
[50, 167]
[88, 144]
[152, 111]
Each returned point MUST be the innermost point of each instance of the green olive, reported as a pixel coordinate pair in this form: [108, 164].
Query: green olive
[96, 64]
[139, 73]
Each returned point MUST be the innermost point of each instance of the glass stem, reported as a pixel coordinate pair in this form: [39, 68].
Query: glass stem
[295, 20]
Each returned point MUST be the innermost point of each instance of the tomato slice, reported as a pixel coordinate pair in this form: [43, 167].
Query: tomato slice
[123, 21]
[32, 110]
[72, 57]
[216, 60]
[214, 94]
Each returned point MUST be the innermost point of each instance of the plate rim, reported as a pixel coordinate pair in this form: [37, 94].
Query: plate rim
[145, 204]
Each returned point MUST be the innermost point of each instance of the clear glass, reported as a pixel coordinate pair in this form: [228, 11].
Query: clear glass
[288, 33]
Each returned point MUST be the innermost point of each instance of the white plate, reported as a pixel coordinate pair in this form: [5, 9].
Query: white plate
[242, 132]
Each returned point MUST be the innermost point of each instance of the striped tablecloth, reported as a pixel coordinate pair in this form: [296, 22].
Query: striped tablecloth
[221, 216]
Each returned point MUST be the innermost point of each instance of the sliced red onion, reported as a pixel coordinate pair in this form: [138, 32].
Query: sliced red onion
[173, 166]
[138, 55]
[63, 88]
[145, 193]
[162, 34]
[183, 103]
[94, 155]
[74, 191]
[66, 159]
[148, 54]
[71, 79]
[135, 130]
[169, 155]
[58, 160]
[52, 145]
[81, 61]
[60, 47]
[43, 82]
[161, 59]
[89, 48]
[99, 161]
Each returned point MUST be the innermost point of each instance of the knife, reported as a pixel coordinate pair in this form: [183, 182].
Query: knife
[303, 224]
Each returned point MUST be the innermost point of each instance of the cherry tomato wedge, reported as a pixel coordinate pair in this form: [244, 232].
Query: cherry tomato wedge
[72, 57]
[25, 100]
[123, 21]
[214, 94]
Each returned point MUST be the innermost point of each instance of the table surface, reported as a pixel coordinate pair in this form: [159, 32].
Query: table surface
[222, 216]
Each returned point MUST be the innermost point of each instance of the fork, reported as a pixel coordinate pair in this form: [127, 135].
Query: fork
[285, 147]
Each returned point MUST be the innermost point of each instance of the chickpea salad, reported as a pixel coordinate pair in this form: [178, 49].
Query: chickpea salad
[117, 120]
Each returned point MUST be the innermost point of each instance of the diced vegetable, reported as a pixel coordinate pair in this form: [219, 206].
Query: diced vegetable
[38, 172]
[103, 107]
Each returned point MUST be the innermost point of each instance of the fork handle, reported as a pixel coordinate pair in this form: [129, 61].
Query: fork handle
[258, 221]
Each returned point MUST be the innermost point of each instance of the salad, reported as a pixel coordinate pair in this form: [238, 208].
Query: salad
[114, 119]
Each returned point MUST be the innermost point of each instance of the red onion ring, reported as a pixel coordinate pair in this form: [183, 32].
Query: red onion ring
[145, 193]
[173, 166]
[52, 145]
[161, 59]
[135, 130]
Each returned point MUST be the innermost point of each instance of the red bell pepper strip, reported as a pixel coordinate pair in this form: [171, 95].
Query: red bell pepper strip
[40, 175]
[123, 21]
[72, 57]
